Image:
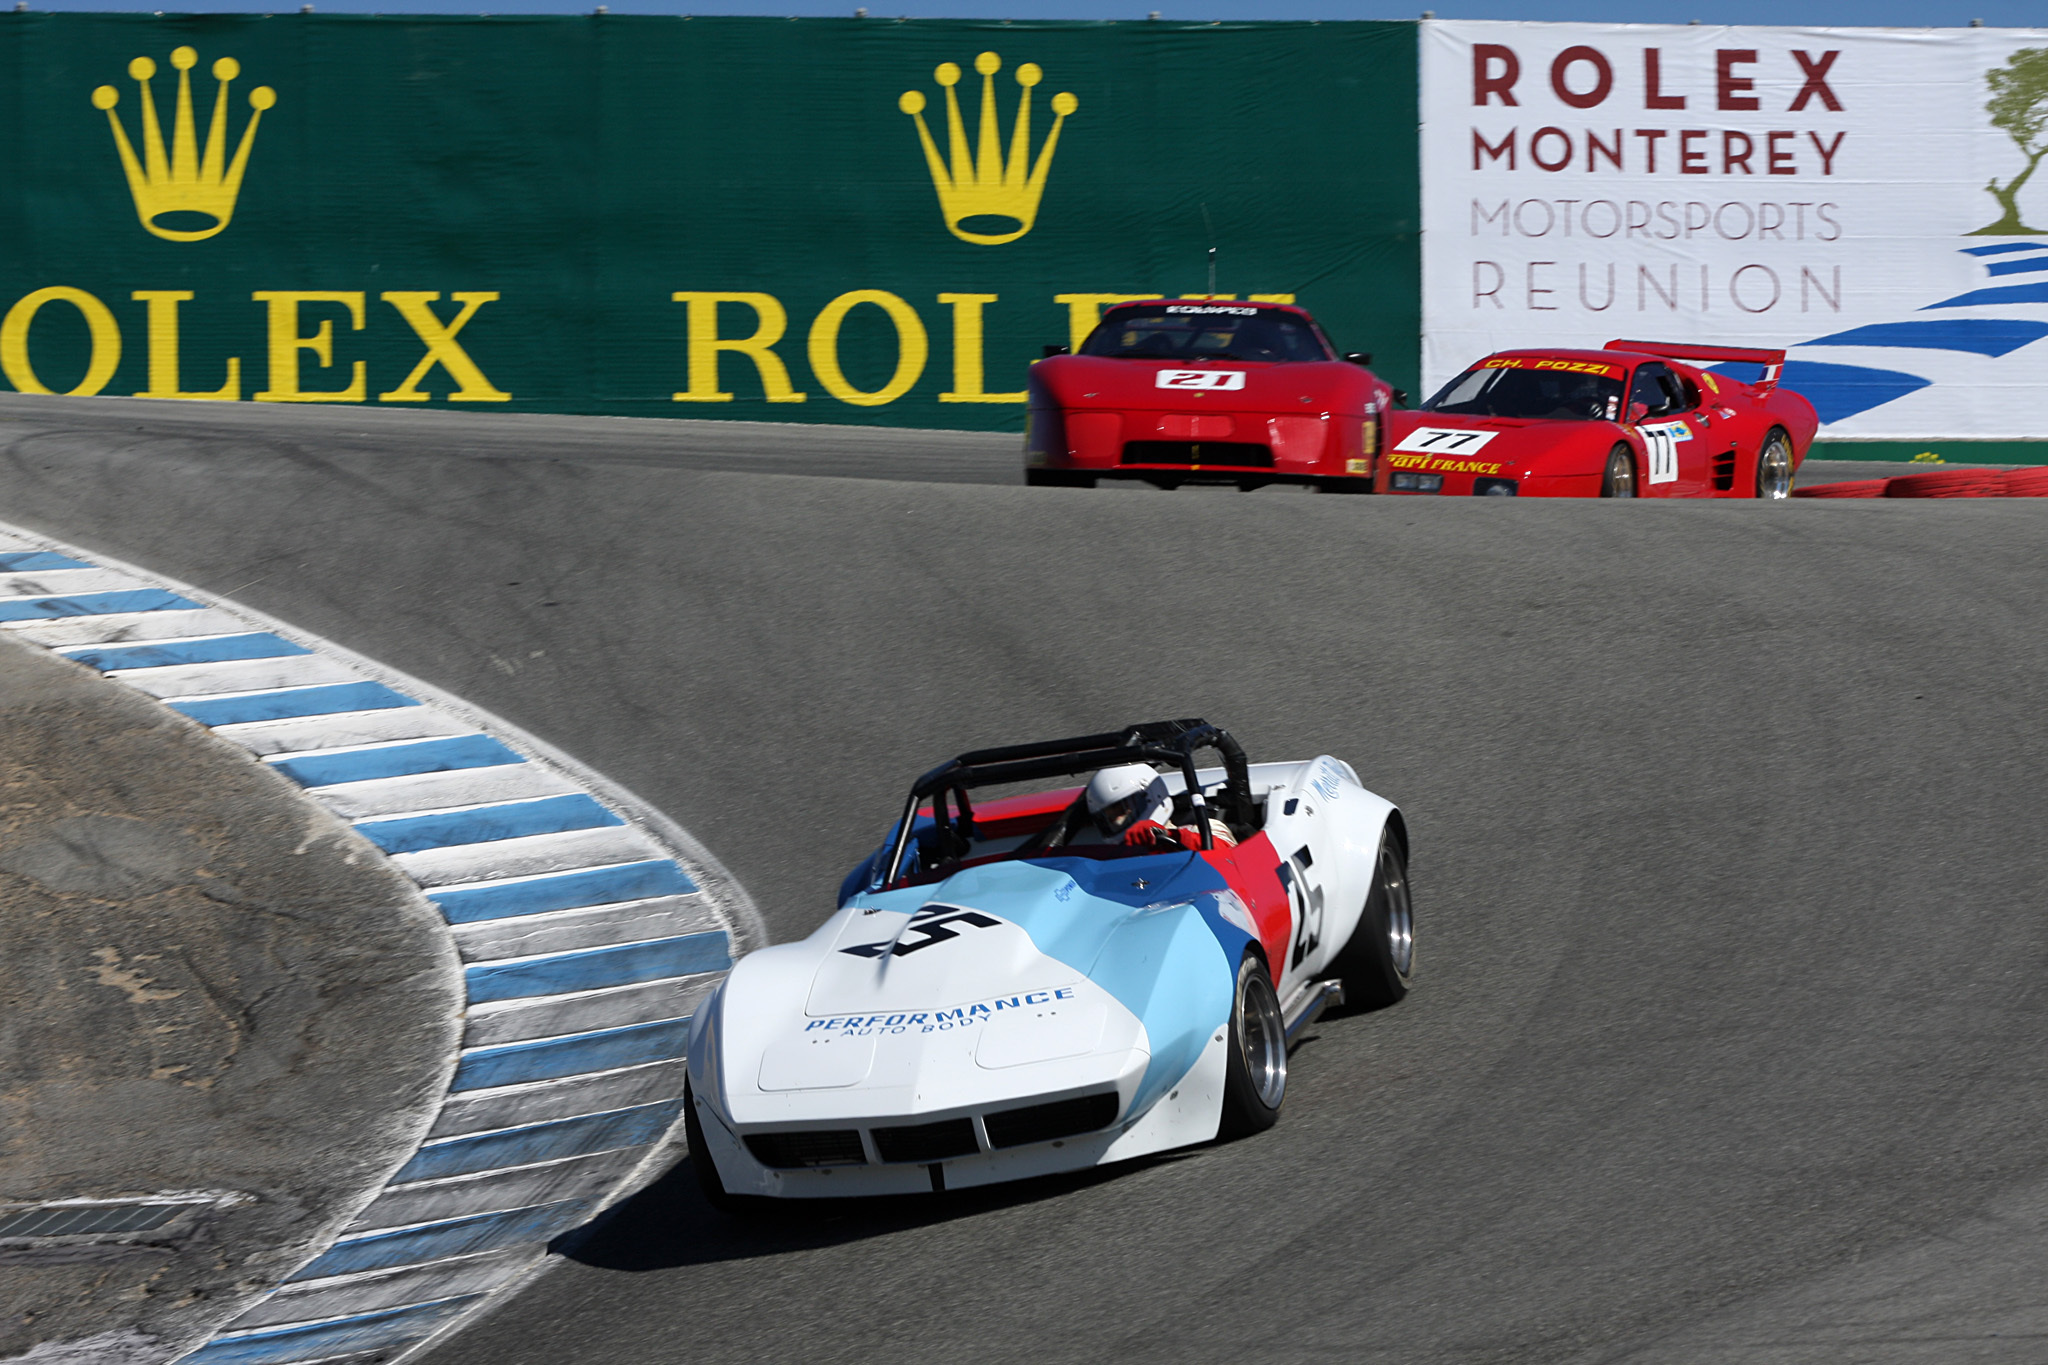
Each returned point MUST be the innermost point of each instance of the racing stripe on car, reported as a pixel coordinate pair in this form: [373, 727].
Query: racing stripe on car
[587, 924]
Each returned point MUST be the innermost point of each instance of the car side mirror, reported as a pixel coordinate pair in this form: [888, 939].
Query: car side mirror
[1637, 412]
[1052, 351]
[1359, 357]
[1400, 398]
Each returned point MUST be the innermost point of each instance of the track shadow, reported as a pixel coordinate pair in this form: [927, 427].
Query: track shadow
[669, 1224]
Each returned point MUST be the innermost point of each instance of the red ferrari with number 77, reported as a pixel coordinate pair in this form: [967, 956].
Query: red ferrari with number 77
[1630, 421]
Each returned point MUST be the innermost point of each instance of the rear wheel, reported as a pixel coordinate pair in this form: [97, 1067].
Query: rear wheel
[1057, 478]
[1774, 466]
[1619, 480]
[1377, 963]
[1255, 1069]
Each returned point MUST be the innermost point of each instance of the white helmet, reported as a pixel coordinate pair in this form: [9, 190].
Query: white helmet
[1121, 796]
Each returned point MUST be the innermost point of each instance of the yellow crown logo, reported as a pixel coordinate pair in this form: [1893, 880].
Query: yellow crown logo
[986, 200]
[176, 194]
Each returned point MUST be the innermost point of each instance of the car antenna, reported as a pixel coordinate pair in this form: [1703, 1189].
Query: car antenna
[1210, 229]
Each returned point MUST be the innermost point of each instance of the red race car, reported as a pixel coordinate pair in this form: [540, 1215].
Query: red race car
[1174, 391]
[1625, 422]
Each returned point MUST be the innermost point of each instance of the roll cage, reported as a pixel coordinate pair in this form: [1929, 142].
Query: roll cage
[1172, 742]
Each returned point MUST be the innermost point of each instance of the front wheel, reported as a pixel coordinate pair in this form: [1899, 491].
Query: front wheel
[1774, 466]
[1379, 960]
[1619, 479]
[1255, 1070]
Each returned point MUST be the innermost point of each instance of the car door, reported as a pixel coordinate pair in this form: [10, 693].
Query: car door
[1677, 459]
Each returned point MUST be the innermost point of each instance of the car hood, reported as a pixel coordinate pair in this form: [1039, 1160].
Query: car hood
[1013, 979]
[1307, 387]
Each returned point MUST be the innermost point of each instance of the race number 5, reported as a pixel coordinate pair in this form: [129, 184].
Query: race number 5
[1306, 898]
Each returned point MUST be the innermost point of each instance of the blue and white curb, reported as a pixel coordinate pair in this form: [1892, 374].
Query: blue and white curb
[588, 925]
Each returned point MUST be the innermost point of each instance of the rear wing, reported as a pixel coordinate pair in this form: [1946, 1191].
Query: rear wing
[1772, 361]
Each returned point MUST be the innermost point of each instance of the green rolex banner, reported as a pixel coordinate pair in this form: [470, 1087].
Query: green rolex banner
[862, 221]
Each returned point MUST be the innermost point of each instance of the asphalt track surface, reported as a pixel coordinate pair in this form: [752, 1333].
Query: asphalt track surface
[1730, 1035]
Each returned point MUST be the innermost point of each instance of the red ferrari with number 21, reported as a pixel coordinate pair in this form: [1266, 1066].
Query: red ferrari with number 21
[1628, 421]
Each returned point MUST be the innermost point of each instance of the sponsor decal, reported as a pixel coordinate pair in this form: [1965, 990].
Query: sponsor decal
[1200, 379]
[934, 925]
[1210, 310]
[1515, 362]
[938, 1020]
[1328, 783]
[985, 199]
[1445, 440]
[1863, 203]
[1437, 464]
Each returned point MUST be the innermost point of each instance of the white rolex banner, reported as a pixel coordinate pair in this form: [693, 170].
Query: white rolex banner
[1866, 198]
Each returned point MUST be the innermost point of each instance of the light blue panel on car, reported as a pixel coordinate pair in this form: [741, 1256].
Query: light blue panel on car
[1153, 947]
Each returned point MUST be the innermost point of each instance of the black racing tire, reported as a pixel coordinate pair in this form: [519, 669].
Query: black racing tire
[1774, 465]
[1057, 478]
[1349, 484]
[1379, 961]
[1255, 1066]
[706, 1171]
[1618, 480]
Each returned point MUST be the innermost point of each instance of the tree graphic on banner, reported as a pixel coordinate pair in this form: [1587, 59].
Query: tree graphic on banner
[2019, 105]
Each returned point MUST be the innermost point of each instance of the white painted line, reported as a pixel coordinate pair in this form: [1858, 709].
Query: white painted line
[126, 627]
[188, 682]
[67, 582]
[565, 930]
[523, 857]
[275, 738]
[440, 791]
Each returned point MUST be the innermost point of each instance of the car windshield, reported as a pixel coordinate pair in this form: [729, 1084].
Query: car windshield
[1186, 331]
[1578, 390]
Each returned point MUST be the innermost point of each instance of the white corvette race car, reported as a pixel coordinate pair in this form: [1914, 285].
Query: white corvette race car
[1006, 992]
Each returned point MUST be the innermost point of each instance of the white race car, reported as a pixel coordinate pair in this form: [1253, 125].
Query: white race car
[1020, 988]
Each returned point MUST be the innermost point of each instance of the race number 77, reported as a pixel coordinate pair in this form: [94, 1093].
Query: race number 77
[1445, 440]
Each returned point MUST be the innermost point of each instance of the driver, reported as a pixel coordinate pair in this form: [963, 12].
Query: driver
[1129, 803]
